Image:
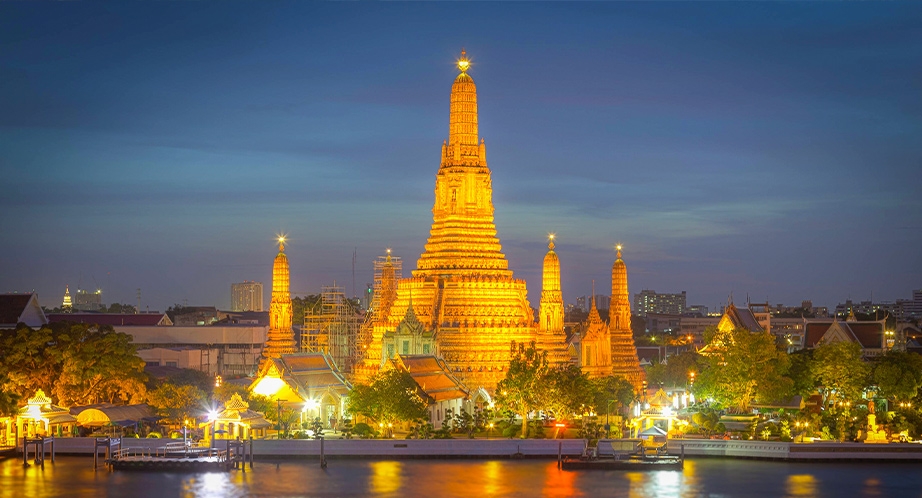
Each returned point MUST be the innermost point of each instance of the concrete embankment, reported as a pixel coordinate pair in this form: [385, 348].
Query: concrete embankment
[369, 448]
[776, 450]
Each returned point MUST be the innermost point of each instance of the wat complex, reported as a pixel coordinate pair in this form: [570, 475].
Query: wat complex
[462, 301]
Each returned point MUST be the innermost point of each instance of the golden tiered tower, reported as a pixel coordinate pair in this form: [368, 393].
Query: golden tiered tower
[595, 344]
[623, 352]
[462, 289]
[281, 339]
[551, 307]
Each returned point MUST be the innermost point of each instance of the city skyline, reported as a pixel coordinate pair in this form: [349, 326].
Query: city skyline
[761, 150]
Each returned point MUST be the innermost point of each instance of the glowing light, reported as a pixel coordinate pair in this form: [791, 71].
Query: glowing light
[212, 415]
[311, 404]
[552, 236]
[463, 63]
[268, 386]
[667, 411]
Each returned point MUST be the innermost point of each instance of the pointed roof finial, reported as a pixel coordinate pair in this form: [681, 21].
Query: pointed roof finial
[388, 255]
[618, 248]
[463, 62]
[550, 243]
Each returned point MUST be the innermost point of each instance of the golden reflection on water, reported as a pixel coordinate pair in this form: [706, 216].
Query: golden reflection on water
[689, 478]
[492, 473]
[558, 482]
[636, 484]
[872, 487]
[385, 477]
[801, 485]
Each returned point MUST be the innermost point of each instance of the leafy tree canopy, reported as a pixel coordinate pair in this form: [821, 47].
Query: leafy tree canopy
[523, 388]
[392, 396]
[898, 375]
[741, 366]
[840, 371]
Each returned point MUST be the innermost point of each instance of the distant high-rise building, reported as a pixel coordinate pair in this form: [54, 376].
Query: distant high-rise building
[247, 296]
[649, 301]
[85, 300]
[696, 309]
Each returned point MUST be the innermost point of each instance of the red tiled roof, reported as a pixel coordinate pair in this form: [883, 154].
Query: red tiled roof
[814, 331]
[12, 307]
[869, 334]
[113, 319]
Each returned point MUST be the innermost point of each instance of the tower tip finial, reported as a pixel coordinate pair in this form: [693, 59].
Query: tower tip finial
[463, 62]
[281, 239]
[618, 248]
[550, 240]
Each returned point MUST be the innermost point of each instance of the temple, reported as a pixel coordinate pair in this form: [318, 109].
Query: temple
[624, 360]
[281, 339]
[463, 293]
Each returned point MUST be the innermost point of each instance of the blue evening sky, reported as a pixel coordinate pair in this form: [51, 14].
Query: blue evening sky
[762, 149]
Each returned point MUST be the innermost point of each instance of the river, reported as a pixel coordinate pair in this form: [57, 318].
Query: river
[702, 477]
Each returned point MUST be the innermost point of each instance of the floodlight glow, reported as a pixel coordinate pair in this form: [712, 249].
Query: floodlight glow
[268, 386]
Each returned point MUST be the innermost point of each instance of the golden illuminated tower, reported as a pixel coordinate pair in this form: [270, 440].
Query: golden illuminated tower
[462, 288]
[623, 352]
[68, 304]
[550, 310]
[281, 339]
[595, 344]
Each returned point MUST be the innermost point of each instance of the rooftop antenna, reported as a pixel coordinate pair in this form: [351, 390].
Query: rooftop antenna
[138, 309]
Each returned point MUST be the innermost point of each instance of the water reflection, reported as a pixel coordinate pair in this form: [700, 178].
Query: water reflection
[801, 485]
[75, 477]
[558, 482]
[385, 477]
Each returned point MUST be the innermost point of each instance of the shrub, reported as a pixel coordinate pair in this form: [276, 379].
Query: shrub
[363, 430]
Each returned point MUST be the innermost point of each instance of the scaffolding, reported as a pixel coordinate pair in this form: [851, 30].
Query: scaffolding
[333, 327]
[371, 317]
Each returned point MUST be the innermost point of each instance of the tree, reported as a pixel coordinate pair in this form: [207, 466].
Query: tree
[840, 371]
[741, 366]
[568, 391]
[30, 359]
[392, 396]
[611, 388]
[521, 391]
[898, 375]
[801, 373]
[98, 364]
[121, 308]
[9, 401]
[176, 403]
[674, 371]
[78, 363]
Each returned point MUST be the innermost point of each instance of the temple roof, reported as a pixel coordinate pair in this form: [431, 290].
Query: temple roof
[742, 318]
[432, 375]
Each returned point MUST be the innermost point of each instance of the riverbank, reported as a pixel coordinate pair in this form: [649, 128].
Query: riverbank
[528, 448]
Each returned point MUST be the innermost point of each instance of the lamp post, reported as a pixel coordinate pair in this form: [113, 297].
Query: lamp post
[278, 419]
[607, 413]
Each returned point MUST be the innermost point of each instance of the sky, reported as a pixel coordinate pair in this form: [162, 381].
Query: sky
[768, 150]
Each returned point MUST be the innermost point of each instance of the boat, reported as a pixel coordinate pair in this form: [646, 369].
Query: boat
[625, 454]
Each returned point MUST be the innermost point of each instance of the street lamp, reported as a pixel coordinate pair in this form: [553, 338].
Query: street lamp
[607, 412]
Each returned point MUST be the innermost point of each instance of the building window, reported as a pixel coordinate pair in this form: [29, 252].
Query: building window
[406, 347]
[171, 363]
[390, 351]
[153, 363]
[425, 349]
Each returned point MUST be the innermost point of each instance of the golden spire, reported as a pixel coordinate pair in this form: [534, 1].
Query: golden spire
[281, 240]
[462, 121]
